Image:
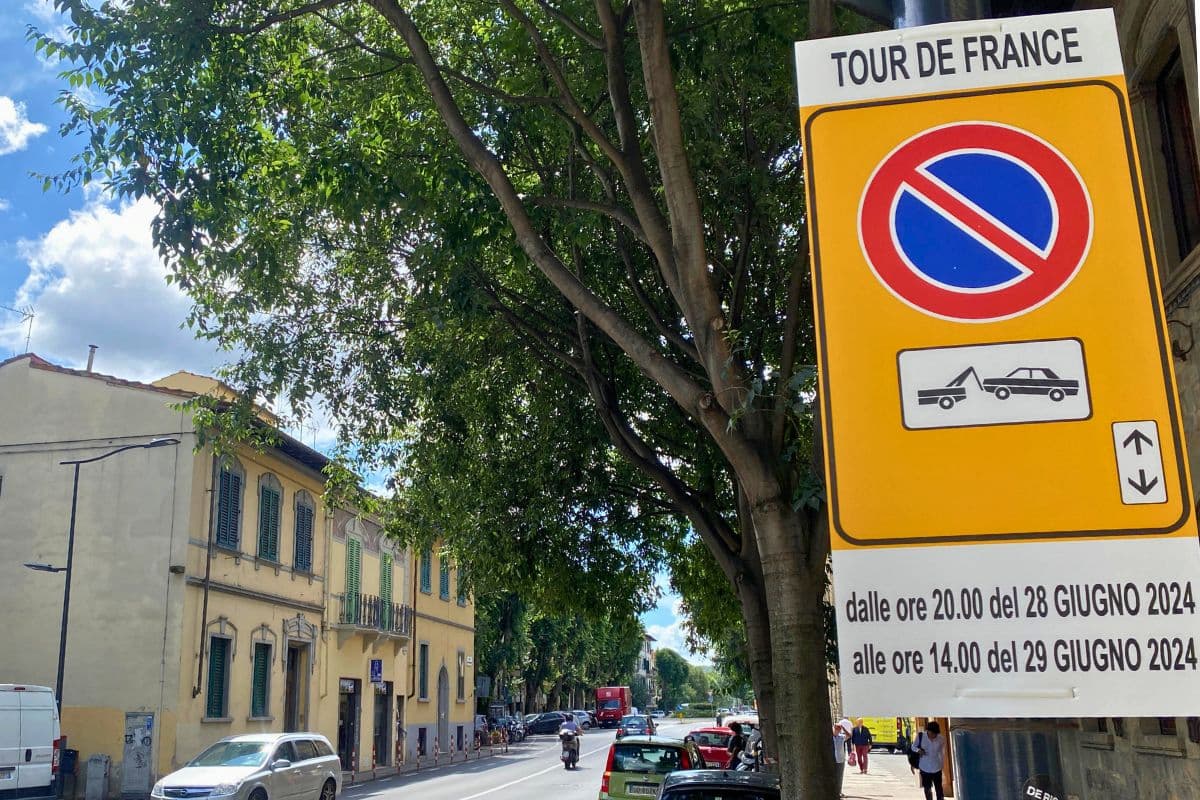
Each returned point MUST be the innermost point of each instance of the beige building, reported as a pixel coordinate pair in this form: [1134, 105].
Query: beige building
[211, 595]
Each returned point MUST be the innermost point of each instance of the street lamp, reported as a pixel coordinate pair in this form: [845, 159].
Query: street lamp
[165, 441]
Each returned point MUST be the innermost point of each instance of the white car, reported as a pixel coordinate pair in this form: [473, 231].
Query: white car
[258, 766]
[581, 719]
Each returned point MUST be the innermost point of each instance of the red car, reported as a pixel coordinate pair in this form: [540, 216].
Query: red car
[714, 745]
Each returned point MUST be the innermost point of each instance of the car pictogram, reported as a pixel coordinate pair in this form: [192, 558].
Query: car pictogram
[1032, 380]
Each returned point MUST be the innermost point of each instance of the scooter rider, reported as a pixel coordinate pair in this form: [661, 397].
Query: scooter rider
[572, 740]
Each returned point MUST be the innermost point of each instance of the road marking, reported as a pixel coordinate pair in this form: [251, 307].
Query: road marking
[486, 792]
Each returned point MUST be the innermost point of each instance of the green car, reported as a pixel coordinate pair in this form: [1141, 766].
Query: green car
[637, 765]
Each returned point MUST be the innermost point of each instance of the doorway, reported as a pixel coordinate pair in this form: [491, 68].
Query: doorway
[443, 710]
[294, 685]
[383, 727]
[348, 709]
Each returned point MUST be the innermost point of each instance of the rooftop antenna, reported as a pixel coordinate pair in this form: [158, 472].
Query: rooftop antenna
[26, 318]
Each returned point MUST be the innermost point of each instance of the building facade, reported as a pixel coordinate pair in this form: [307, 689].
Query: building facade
[441, 699]
[212, 594]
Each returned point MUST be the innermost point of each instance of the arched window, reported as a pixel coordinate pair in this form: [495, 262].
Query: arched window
[306, 514]
[227, 515]
[270, 493]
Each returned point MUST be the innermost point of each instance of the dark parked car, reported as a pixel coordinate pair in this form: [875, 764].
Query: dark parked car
[713, 784]
[635, 725]
[548, 722]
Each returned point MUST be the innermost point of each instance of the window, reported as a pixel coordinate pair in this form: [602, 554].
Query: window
[1179, 151]
[260, 685]
[217, 701]
[269, 493]
[426, 571]
[462, 589]
[423, 672]
[443, 578]
[421, 741]
[305, 749]
[1157, 726]
[353, 578]
[1166, 726]
[286, 751]
[323, 749]
[462, 676]
[305, 515]
[227, 520]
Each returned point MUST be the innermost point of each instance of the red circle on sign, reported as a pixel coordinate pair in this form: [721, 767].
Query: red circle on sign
[1046, 272]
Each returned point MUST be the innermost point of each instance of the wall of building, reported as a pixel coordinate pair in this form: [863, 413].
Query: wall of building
[126, 606]
[250, 599]
[348, 652]
[447, 627]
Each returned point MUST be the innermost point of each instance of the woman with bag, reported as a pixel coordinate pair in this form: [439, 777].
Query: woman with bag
[928, 754]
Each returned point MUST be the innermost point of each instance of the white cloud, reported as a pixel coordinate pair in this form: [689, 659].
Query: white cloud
[15, 128]
[4, 204]
[95, 278]
[672, 636]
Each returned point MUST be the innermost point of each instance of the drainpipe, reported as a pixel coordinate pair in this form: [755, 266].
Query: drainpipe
[208, 555]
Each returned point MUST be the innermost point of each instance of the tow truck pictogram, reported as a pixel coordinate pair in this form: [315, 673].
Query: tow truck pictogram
[953, 392]
[1023, 380]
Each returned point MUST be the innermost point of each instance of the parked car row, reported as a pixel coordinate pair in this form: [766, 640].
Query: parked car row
[648, 766]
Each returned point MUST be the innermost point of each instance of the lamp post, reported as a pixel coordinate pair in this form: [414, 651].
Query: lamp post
[66, 606]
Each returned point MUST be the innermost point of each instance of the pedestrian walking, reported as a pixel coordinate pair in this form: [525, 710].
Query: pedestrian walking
[931, 747]
[861, 738]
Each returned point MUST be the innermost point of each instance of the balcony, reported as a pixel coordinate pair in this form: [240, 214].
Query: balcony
[376, 619]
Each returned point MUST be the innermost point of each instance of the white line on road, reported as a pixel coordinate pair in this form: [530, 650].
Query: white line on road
[530, 775]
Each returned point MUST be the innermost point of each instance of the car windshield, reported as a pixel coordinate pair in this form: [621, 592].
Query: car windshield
[611, 704]
[232, 754]
[649, 758]
[632, 721]
[712, 739]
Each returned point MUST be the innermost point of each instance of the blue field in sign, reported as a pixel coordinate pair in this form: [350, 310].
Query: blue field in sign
[945, 253]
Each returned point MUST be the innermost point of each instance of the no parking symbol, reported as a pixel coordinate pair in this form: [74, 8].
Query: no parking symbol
[975, 221]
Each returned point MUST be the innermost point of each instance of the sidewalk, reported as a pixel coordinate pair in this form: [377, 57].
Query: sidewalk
[888, 778]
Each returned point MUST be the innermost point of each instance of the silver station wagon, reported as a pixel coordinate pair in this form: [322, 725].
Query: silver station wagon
[258, 766]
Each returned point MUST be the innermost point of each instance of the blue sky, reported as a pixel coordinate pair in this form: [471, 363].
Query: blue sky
[86, 266]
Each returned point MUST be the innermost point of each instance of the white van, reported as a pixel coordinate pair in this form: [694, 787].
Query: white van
[29, 742]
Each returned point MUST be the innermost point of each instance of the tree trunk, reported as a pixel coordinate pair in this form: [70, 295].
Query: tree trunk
[795, 576]
[758, 651]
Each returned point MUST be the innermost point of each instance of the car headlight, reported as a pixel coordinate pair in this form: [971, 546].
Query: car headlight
[225, 789]
[157, 791]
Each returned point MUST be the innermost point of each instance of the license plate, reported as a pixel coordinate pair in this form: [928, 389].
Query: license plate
[641, 789]
[566, 754]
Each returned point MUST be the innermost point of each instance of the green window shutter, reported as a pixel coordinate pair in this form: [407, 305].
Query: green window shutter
[304, 537]
[423, 674]
[268, 524]
[426, 571]
[353, 577]
[262, 671]
[228, 509]
[385, 578]
[218, 665]
[444, 578]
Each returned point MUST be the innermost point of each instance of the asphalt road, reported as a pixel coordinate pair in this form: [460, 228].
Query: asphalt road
[530, 769]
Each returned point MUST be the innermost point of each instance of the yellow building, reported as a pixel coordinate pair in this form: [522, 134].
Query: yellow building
[211, 595]
[441, 699]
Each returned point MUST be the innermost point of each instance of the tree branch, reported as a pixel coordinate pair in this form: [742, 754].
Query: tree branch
[275, 19]
[615, 212]
[787, 360]
[571, 25]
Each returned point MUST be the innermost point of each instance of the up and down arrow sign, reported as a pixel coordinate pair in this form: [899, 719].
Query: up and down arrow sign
[1139, 462]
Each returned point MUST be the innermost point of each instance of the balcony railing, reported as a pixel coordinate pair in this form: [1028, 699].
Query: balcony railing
[372, 613]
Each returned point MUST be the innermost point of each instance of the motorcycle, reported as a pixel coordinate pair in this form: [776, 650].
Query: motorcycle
[570, 748]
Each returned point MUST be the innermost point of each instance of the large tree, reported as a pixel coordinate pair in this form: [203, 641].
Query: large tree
[619, 184]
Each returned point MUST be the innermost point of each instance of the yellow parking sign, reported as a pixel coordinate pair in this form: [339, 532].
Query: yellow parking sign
[987, 306]
[1007, 481]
